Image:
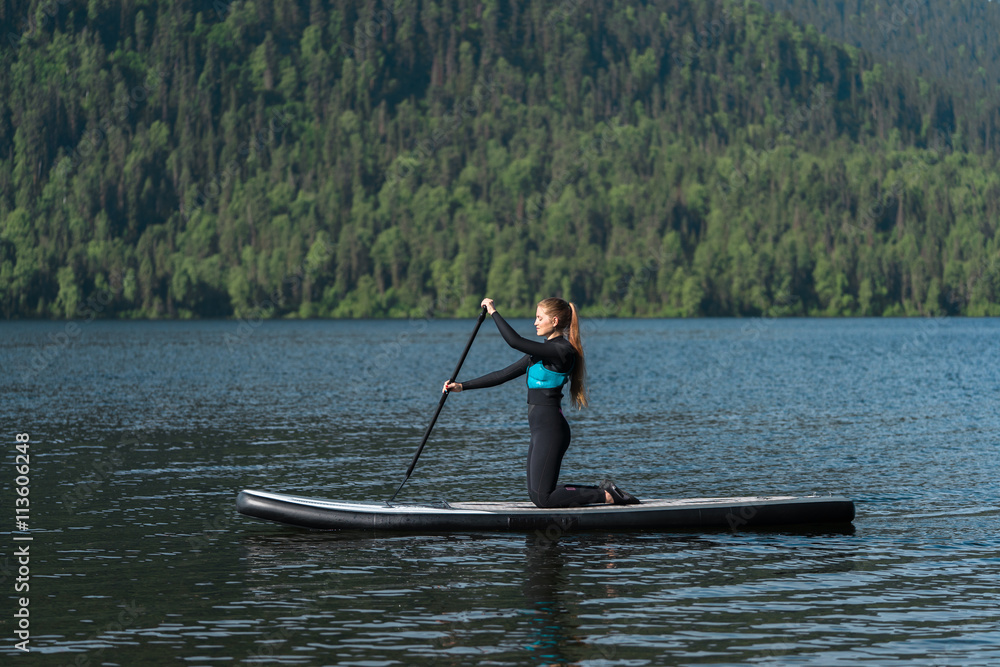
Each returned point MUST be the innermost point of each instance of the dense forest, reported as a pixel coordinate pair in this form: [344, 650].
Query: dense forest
[947, 41]
[274, 158]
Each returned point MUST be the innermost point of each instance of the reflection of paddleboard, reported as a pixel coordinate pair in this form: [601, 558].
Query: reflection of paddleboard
[729, 513]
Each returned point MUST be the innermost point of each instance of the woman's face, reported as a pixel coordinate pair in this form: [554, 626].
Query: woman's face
[545, 325]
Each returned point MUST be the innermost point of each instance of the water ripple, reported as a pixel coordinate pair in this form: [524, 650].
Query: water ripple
[144, 432]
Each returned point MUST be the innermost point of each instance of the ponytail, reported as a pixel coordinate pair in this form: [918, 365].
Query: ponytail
[578, 379]
[569, 320]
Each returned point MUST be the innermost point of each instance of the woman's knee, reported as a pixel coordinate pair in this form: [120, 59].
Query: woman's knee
[537, 498]
[541, 500]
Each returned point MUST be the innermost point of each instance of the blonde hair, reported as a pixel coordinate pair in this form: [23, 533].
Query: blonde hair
[569, 326]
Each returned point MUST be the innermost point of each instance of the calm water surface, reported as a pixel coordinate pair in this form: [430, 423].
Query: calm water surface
[143, 433]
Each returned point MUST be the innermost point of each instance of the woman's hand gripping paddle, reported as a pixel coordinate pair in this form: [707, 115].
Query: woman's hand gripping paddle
[444, 397]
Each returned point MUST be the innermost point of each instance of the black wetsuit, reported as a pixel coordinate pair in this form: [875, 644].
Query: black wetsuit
[549, 430]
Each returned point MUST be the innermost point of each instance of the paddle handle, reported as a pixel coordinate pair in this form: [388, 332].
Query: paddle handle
[444, 397]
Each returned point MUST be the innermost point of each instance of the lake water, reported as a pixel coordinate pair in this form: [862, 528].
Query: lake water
[142, 434]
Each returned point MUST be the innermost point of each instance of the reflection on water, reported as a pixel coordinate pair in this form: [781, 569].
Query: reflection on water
[549, 619]
[143, 433]
[596, 597]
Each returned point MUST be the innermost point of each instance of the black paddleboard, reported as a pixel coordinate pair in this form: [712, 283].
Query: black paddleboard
[731, 513]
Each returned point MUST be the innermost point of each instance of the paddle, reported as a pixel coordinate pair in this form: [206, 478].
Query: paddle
[444, 397]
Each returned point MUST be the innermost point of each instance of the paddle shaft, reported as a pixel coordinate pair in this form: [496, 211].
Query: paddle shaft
[444, 397]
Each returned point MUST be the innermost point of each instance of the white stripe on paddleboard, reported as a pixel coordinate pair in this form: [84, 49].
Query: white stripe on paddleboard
[489, 508]
[367, 508]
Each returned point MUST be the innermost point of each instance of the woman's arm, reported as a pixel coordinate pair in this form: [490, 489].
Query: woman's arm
[553, 354]
[516, 369]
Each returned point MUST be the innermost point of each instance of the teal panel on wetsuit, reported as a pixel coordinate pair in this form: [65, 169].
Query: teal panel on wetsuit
[540, 377]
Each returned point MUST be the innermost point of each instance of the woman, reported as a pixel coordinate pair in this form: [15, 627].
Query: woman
[549, 365]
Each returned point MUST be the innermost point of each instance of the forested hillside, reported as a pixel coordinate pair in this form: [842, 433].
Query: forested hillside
[335, 158]
[946, 41]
